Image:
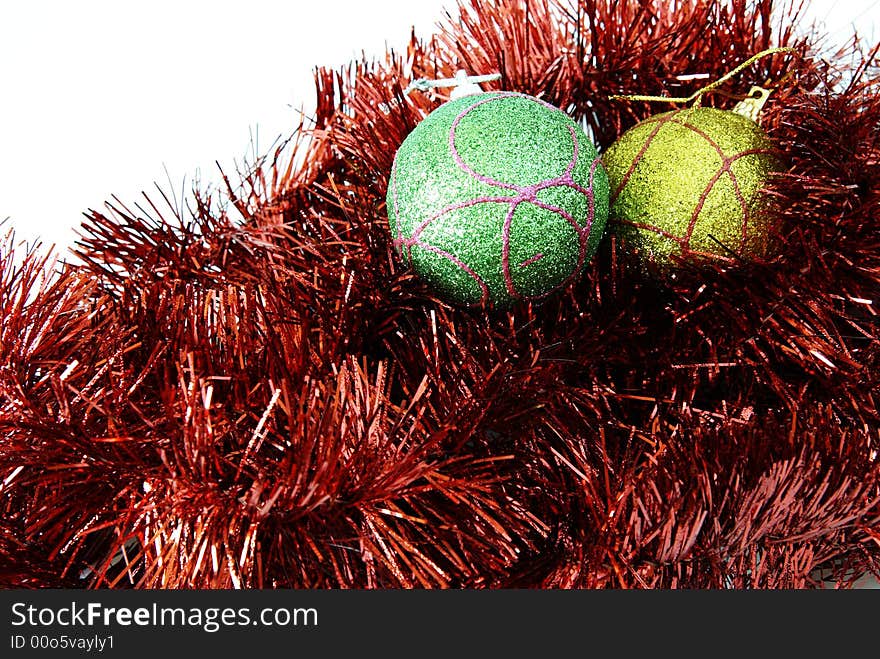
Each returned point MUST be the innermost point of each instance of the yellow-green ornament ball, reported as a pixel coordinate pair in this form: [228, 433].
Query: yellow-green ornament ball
[690, 183]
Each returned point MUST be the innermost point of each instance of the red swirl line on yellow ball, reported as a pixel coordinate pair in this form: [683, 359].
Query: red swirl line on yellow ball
[726, 163]
[635, 163]
[724, 169]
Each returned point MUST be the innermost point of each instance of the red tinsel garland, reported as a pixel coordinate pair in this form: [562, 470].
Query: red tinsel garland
[211, 403]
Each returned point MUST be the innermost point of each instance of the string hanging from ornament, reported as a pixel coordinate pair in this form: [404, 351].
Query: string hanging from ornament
[690, 182]
[495, 197]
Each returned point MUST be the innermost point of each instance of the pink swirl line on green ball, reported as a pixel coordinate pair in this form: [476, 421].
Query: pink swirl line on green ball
[461, 264]
[414, 239]
[524, 194]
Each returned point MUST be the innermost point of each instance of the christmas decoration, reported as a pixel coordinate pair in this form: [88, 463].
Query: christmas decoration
[691, 182]
[496, 197]
[270, 400]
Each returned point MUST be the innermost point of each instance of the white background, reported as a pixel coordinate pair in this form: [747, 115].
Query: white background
[101, 97]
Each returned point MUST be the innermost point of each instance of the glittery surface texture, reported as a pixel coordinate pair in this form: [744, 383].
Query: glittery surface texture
[497, 197]
[689, 182]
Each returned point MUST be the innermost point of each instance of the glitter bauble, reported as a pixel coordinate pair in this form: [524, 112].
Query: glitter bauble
[496, 197]
[690, 183]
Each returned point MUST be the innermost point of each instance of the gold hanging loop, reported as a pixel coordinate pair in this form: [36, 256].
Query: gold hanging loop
[696, 97]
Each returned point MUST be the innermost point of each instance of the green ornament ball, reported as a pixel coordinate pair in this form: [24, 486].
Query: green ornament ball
[496, 197]
[689, 183]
